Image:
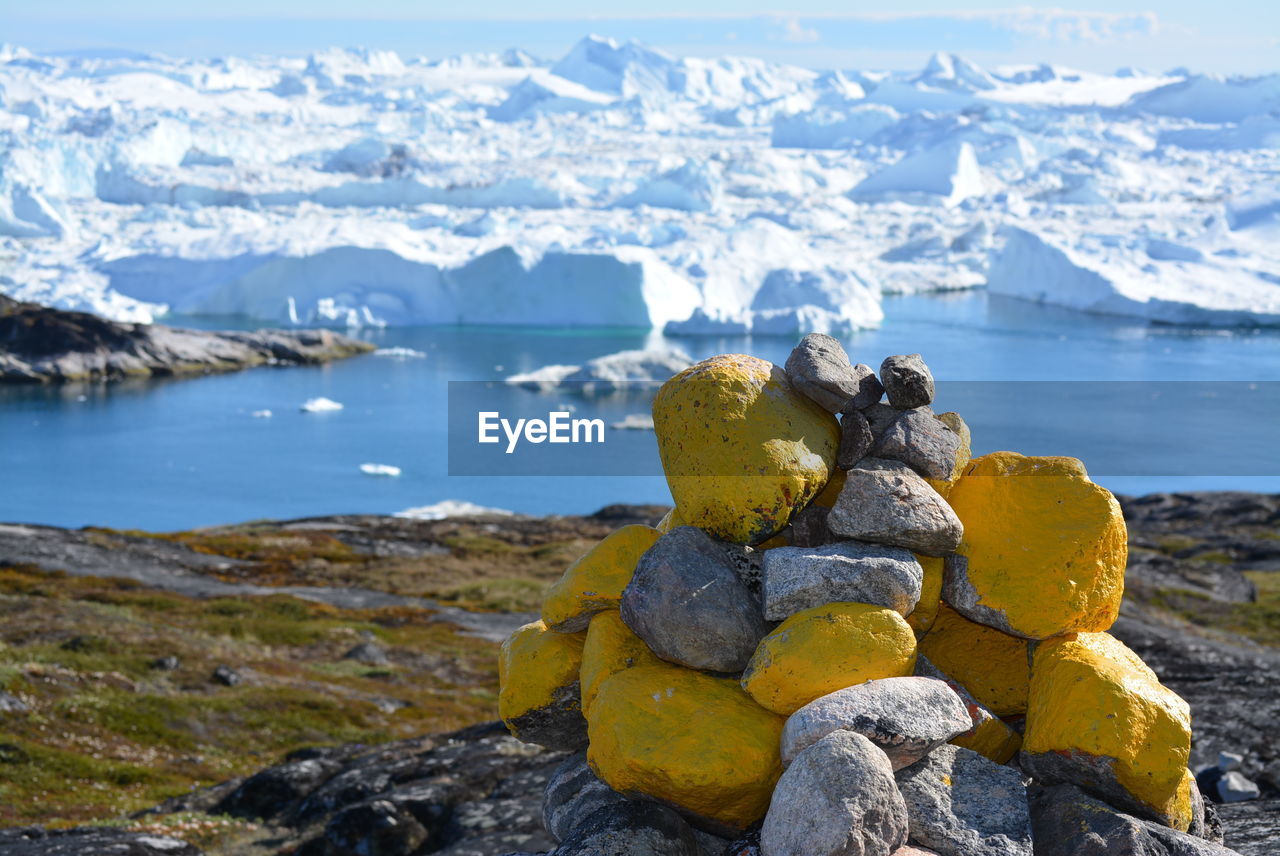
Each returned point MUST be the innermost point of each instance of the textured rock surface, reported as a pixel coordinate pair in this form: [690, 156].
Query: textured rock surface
[886, 502]
[961, 804]
[89, 841]
[540, 699]
[1098, 717]
[595, 581]
[921, 618]
[820, 368]
[856, 439]
[690, 606]
[573, 792]
[906, 717]
[1068, 822]
[828, 648]
[631, 829]
[797, 578]
[922, 441]
[688, 739]
[809, 527]
[741, 448]
[837, 798]
[991, 665]
[907, 381]
[989, 736]
[610, 647]
[43, 345]
[1067, 572]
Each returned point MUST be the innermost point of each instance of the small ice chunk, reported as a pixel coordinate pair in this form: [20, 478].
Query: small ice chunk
[320, 405]
[399, 353]
[451, 508]
[386, 470]
[263, 414]
[634, 422]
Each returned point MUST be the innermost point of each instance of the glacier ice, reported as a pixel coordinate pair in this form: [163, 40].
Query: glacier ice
[620, 186]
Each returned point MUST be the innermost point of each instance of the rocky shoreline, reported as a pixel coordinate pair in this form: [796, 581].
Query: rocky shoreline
[479, 792]
[39, 344]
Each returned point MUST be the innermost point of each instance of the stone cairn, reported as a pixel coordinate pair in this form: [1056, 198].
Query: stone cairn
[850, 637]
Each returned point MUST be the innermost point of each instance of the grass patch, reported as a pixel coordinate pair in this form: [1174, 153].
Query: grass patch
[508, 594]
[1170, 544]
[1259, 621]
[108, 733]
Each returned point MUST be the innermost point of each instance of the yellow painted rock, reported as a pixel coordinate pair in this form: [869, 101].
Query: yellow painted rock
[922, 617]
[1044, 548]
[1098, 718]
[827, 498]
[827, 648]
[990, 664]
[610, 648]
[595, 582]
[964, 453]
[538, 698]
[688, 739]
[742, 450]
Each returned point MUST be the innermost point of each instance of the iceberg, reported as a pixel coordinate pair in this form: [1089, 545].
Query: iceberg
[945, 175]
[447, 508]
[381, 470]
[607, 374]
[320, 405]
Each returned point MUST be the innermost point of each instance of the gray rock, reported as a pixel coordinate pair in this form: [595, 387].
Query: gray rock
[921, 441]
[369, 653]
[1228, 761]
[269, 792]
[227, 676]
[856, 439]
[1234, 787]
[905, 717]
[907, 381]
[378, 827]
[558, 725]
[1091, 773]
[978, 712]
[1068, 822]
[711, 845]
[690, 606]
[631, 828]
[837, 798]
[809, 527]
[12, 704]
[820, 368]
[747, 562]
[796, 578]
[961, 804]
[886, 502]
[879, 416]
[89, 841]
[572, 793]
[961, 595]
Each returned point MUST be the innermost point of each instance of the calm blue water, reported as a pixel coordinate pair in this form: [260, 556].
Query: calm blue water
[176, 454]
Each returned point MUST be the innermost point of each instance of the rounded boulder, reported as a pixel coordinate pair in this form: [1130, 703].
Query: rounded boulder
[741, 448]
[595, 582]
[538, 697]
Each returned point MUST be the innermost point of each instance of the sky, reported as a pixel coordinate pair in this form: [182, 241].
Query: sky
[1229, 36]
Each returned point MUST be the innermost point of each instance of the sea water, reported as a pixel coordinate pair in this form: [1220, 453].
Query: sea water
[175, 454]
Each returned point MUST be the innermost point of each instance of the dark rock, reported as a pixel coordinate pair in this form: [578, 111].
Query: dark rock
[270, 793]
[166, 664]
[572, 793]
[376, 828]
[820, 368]
[745, 845]
[44, 345]
[809, 527]
[688, 604]
[1252, 827]
[886, 502]
[856, 439]
[89, 841]
[906, 717]
[797, 578]
[1067, 822]
[631, 828]
[227, 676]
[12, 704]
[922, 442]
[907, 381]
[962, 804]
[837, 798]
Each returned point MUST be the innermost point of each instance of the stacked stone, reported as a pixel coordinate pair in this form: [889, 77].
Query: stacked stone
[849, 637]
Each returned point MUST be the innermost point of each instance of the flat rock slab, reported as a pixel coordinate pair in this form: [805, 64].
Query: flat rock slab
[690, 606]
[797, 578]
[837, 798]
[886, 502]
[906, 717]
[1068, 822]
[961, 804]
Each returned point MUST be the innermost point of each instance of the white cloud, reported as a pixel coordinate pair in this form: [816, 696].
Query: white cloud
[1069, 26]
[794, 31]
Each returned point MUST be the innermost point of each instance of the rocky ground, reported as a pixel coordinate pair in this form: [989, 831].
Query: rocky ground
[43, 345]
[1202, 608]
